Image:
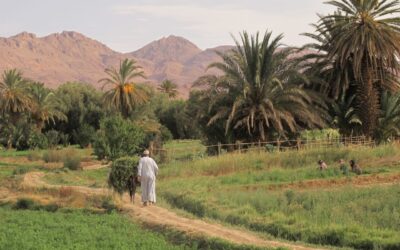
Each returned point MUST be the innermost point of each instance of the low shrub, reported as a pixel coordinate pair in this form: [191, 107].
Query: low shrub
[25, 203]
[53, 156]
[60, 155]
[38, 140]
[53, 138]
[84, 136]
[72, 160]
[121, 170]
[108, 204]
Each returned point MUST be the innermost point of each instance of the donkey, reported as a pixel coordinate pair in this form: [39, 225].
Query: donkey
[132, 184]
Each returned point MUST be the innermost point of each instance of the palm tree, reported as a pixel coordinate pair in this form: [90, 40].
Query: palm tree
[264, 92]
[14, 100]
[168, 87]
[344, 115]
[389, 117]
[47, 106]
[13, 94]
[326, 74]
[365, 34]
[124, 95]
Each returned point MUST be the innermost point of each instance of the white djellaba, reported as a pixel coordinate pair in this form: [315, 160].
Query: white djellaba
[147, 172]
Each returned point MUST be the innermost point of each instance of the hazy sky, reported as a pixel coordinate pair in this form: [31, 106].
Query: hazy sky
[125, 25]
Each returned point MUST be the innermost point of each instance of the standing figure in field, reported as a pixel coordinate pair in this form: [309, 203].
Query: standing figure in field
[355, 168]
[132, 184]
[322, 165]
[343, 167]
[147, 172]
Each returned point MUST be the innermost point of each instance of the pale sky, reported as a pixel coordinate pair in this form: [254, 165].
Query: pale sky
[127, 25]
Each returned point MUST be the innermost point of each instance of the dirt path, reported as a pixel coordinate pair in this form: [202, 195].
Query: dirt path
[161, 216]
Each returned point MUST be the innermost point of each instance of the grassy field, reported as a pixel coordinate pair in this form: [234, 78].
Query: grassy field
[284, 195]
[280, 194]
[74, 230]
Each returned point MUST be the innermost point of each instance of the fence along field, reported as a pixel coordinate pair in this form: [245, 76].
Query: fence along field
[184, 150]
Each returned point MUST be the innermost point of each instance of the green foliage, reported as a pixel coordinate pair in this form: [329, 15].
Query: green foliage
[84, 136]
[72, 160]
[360, 39]
[117, 137]
[124, 95]
[53, 138]
[83, 107]
[121, 170]
[168, 87]
[47, 106]
[166, 135]
[320, 134]
[260, 92]
[37, 140]
[75, 230]
[175, 116]
[54, 155]
[389, 118]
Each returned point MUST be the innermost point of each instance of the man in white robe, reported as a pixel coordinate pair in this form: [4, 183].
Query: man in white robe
[147, 172]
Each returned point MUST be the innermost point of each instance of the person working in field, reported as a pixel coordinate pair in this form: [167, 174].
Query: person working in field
[322, 165]
[355, 168]
[343, 167]
[147, 172]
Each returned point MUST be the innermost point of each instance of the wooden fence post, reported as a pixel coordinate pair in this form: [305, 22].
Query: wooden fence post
[219, 148]
[259, 146]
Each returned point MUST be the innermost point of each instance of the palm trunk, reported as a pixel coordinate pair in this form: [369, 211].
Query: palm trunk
[368, 100]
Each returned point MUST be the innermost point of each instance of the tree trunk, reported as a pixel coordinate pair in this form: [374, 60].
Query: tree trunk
[368, 100]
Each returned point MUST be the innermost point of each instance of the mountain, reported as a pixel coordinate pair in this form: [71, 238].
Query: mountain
[71, 56]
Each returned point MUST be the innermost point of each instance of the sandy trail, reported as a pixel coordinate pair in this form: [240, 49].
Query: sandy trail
[161, 216]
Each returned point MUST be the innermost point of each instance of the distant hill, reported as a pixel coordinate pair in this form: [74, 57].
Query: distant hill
[71, 56]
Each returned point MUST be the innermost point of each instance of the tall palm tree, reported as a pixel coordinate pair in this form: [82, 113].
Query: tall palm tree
[13, 94]
[366, 34]
[47, 106]
[124, 94]
[168, 87]
[389, 117]
[264, 89]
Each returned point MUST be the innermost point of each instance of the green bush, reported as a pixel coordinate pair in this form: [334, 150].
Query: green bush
[166, 135]
[121, 170]
[38, 140]
[64, 139]
[84, 136]
[117, 138]
[53, 138]
[53, 156]
[72, 160]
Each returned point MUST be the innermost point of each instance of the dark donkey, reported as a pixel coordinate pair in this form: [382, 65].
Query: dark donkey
[132, 184]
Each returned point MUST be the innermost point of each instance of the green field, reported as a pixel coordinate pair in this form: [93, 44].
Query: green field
[279, 194]
[269, 193]
[74, 230]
